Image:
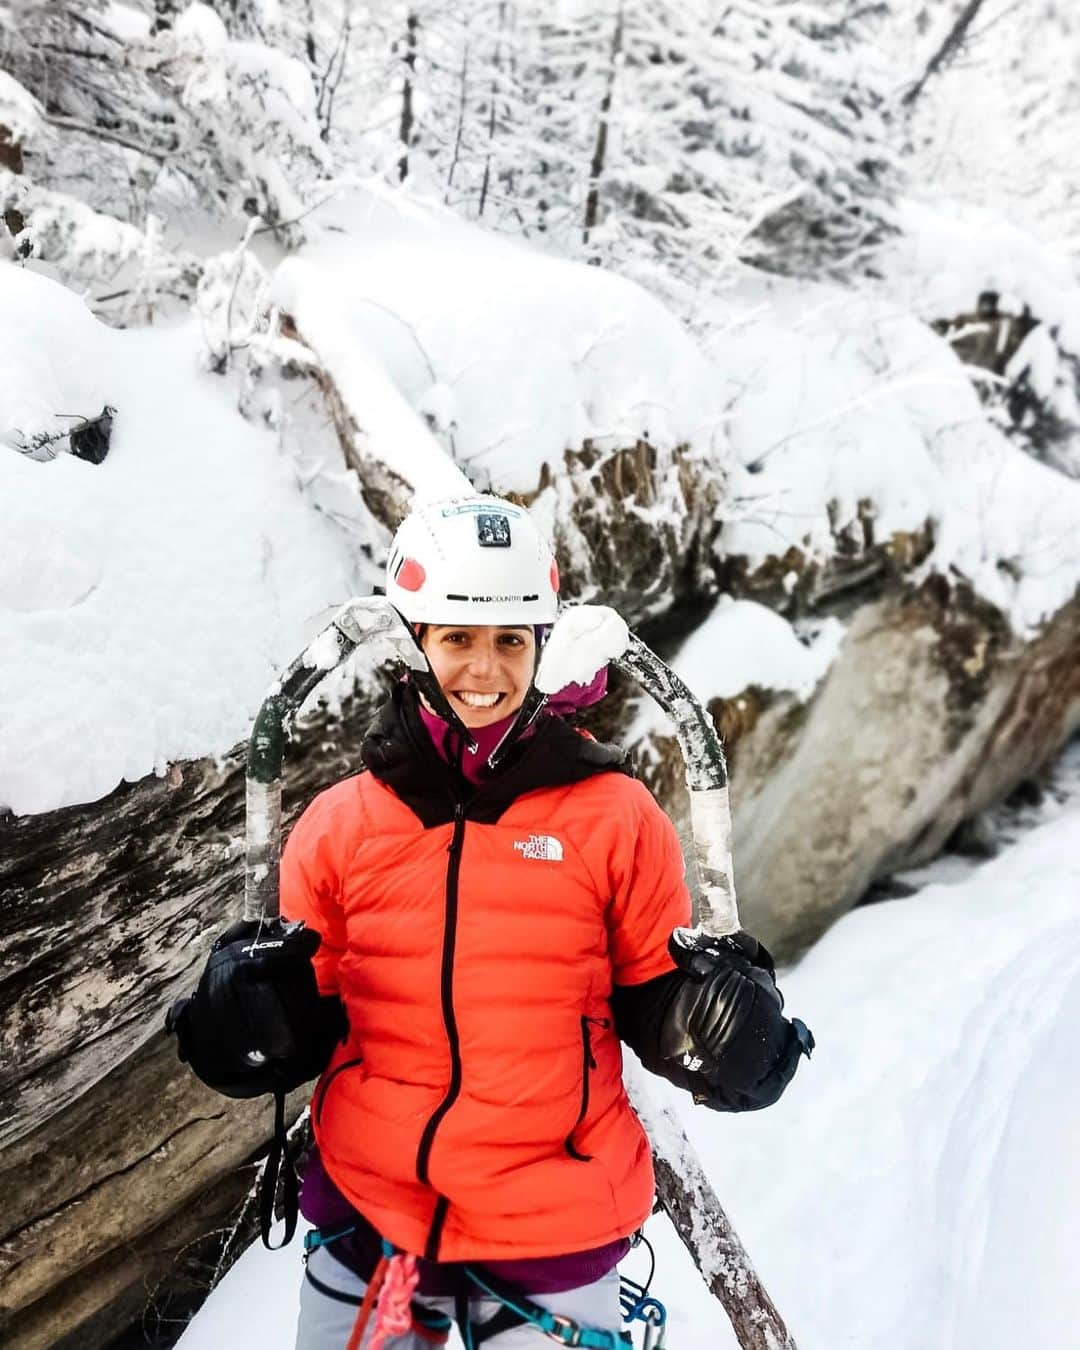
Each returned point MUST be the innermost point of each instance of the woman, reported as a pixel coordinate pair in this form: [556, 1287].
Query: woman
[492, 934]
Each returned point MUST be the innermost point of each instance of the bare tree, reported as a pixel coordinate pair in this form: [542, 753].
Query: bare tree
[405, 127]
[596, 168]
[954, 41]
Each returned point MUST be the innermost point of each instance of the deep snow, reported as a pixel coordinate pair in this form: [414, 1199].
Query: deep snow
[147, 602]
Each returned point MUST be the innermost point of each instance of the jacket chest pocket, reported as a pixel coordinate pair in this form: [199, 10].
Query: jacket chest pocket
[588, 1066]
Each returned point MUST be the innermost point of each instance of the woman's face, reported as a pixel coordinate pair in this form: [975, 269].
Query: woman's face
[484, 670]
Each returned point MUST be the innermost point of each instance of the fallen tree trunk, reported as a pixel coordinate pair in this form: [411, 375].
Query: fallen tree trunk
[113, 1158]
[687, 1195]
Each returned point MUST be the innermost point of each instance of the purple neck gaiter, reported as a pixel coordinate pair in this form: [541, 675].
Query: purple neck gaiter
[473, 762]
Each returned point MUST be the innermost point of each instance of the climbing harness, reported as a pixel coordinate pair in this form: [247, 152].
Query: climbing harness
[392, 1287]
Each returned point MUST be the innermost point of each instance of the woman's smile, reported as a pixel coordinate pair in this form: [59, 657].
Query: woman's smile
[484, 669]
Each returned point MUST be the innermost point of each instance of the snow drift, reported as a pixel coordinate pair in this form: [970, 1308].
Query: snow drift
[147, 602]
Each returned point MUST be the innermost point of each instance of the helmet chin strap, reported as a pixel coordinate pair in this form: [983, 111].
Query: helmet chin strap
[431, 691]
[532, 705]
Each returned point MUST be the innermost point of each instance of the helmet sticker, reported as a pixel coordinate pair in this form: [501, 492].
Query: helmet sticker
[479, 508]
[411, 575]
[493, 531]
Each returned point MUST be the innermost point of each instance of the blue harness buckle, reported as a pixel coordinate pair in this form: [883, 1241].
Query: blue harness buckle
[564, 1329]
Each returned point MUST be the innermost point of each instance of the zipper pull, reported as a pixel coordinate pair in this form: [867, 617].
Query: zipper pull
[459, 828]
[586, 1036]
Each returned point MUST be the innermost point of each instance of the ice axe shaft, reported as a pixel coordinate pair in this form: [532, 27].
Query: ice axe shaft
[715, 910]
[683, 1187]
[369, 622]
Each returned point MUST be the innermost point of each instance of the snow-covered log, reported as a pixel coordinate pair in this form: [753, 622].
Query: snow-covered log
[687, 1194]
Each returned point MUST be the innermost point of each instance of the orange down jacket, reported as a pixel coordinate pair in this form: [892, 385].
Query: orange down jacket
[477, 1108]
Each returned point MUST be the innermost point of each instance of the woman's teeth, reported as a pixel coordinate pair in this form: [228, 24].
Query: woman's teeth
[478, 700]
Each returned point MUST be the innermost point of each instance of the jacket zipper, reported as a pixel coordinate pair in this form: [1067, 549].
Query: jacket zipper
[588, 1061]
[453, 869]
[324, 1086]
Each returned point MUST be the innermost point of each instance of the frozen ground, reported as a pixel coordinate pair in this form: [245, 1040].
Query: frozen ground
[918, 1188]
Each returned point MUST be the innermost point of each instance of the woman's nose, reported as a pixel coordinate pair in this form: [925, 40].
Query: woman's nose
[483, 659]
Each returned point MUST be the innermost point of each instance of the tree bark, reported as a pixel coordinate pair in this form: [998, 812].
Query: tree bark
[954, 40]
[497, 71]
[406, 127]
[596, 169]
[113, 1157]
[463, 100]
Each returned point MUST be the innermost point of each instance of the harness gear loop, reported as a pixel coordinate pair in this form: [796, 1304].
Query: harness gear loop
[370, 1295]
[315, 1238]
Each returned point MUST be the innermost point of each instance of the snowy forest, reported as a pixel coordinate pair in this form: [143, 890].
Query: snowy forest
[769, 311]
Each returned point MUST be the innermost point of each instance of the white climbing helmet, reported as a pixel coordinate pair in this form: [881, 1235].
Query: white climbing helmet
[472, 560]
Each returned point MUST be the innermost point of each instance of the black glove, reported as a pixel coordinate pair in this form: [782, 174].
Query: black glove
[724, 1025]
[256, 1022]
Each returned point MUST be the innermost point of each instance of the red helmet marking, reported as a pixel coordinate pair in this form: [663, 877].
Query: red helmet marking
[554, 576]
[412, 576]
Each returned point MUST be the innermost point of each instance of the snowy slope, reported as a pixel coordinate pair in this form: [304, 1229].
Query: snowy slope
[817, 408]
[514, 355]
[918, 1187]
[145, 603]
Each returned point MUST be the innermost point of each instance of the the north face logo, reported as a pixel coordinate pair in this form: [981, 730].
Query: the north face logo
[540, 846]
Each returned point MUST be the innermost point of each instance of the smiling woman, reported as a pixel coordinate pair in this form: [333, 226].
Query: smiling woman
[484, 670]
[493, 911]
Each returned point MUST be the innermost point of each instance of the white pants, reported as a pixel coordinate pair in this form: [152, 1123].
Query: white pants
[325, 1322]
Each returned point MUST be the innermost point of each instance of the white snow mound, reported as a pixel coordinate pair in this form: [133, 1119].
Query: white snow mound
[146, 603]
[850, 414]
[511, 355]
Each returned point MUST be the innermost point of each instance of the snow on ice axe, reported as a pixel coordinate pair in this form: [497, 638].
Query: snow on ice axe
[585, 638]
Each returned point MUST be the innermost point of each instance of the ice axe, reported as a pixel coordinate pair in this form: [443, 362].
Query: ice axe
[583, 639]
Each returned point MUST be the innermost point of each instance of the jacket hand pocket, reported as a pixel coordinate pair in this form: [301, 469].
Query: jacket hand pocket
[588, 1065]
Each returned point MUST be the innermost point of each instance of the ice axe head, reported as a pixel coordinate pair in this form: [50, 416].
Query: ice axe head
[372, 623]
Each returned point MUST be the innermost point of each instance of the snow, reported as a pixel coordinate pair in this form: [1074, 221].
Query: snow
[20, 113]
[826, 415]
[919, 1184]
[742, 644]
[200, 32]
[949, 252]
[847, 413]
[147, 602]
[516, 355]
[583, 639]
[125, 22]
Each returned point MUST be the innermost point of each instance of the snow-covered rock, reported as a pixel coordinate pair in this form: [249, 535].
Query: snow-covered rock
[455, 352]
[146, 602]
